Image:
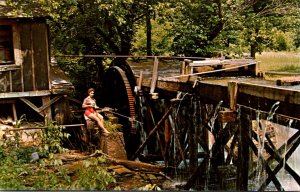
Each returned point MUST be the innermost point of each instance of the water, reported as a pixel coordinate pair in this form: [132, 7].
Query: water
[282, 134]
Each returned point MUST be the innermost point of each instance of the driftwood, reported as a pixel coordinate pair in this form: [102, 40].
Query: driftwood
[133, 165]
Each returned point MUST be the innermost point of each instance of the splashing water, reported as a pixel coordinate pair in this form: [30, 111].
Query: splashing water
[212, 121]
[261, 136]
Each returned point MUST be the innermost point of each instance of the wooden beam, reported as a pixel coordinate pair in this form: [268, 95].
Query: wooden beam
[151, 133]
[276, 93]
[31, 105]
[49, 102]
[24, 94]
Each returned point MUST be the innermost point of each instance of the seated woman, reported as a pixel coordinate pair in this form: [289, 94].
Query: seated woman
[89, 104]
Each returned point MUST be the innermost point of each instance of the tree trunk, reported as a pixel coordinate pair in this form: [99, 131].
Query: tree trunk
[253, 49]
[149, 28]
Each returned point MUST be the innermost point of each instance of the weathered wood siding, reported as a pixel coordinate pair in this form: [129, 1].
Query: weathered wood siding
[40, 55]
[33, 73]
[28, 64]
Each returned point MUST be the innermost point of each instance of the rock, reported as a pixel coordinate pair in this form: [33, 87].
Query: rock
[113, 145]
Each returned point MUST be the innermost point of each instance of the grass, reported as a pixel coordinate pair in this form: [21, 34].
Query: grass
[279, 61]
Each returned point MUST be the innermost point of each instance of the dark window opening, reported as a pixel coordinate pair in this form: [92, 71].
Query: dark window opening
[6, 45]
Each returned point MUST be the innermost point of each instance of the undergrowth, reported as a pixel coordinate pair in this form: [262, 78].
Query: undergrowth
[37, 168]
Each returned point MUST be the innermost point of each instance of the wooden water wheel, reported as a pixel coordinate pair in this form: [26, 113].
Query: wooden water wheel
[119, 85]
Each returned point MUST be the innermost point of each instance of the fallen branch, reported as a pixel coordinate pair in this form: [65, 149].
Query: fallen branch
[134, 165]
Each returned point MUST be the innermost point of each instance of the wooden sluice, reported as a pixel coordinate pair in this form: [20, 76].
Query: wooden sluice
[211, 116]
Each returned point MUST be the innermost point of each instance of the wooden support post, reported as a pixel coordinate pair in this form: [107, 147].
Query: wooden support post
[232, 93]
[154, 77]
[47, 110]
[140, 80]
[253, 69]
[62, 111]
[151, 133]
[167, 139]
[243, 153]
[185, 70]
[14, 111]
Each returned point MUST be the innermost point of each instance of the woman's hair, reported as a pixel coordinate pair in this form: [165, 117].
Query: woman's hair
[90, 89]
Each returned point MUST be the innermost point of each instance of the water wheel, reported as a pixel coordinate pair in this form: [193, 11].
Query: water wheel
[119, 85]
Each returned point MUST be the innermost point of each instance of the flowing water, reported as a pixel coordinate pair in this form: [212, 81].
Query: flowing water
[282, 134]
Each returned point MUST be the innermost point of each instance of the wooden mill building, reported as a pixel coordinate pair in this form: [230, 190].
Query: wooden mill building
[29, 83]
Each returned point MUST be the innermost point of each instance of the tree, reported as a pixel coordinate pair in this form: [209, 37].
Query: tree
[260, 16]
[196, 25]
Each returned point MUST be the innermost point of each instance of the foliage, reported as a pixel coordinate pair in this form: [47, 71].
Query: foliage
[52, 138]
[161, 39]
[19, 172]
[93, 177]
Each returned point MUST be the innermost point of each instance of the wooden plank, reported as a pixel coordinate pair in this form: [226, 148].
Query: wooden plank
[41, 64]
[4, 82]
[9, 67]
[27, 66]
[17, 45]
[5, 101]
[10, 81]
[19, 59]
[24, 94]
[16, 80]
[270, 92]
[288, 81]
